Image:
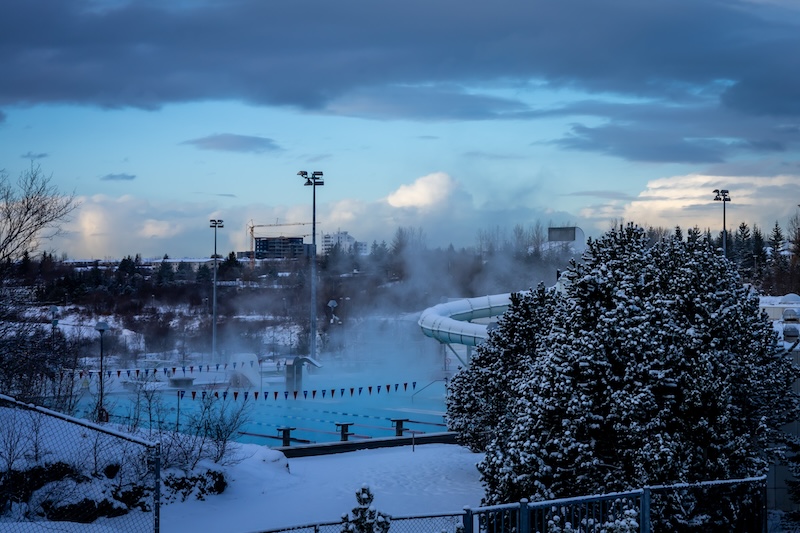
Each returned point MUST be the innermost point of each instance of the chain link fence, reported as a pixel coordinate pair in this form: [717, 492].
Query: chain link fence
[439, 523]
[55, 468]
[716, 506]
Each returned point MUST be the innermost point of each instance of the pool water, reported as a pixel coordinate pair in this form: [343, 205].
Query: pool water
[368, 404]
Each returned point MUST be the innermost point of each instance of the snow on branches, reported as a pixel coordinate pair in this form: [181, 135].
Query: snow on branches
[653, 365]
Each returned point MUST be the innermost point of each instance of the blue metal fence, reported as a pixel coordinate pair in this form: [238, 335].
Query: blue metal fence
[737, 505]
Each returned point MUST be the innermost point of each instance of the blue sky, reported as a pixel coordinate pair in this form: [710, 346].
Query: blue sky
[449, 116]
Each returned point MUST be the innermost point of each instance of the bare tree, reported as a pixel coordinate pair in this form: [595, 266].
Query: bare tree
[30, 211]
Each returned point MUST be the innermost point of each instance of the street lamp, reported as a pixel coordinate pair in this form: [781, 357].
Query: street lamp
[313, 181]
[215, 223]
[722, 196]
[102, 416]
[54, 312]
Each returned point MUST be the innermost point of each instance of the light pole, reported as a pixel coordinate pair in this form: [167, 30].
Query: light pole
[313, 181]
[215, 223]
[54, 312]
[722, 196]
[102, 416]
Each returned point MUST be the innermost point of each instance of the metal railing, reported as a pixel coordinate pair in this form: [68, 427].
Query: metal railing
[55, 468]
[737, 505]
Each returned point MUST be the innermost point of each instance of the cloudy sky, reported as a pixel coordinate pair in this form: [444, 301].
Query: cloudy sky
[452, 116]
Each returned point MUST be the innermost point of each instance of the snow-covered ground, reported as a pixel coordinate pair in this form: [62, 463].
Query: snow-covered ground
[268, 491]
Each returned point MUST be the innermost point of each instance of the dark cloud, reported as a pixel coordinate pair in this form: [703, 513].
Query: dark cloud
[229, 142]
[32, 156]
[693, 132]
[712, 59]
[118, 177]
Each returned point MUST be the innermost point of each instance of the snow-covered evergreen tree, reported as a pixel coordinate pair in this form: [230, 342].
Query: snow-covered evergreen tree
[654, 365]
[479, 395]
[365, 518]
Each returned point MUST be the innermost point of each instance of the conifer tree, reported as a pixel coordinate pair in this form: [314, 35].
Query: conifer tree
[655, 365]
[365, 518]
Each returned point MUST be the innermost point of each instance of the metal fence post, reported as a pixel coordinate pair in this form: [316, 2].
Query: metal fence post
[157, 489]
[644, 511]
[467, 519]
[764, 520]
[524, 518]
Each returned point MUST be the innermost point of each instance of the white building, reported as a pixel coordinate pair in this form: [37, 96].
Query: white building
[346, 242]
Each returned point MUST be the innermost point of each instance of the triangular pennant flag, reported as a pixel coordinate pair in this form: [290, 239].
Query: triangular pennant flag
[216, 394]
[351, 391]
[295, 395]
[225, 366]
[388, 387]
[255, 395]
[217, 366]
[137, 372]
[155, 371]
[234, 365]
[194, 394]
[146, 372]
[224, 395]
[341, 392]
[182, 393]
[379, 389]
[191, 369]
[251, 364]
[405, 386]
[71, 375]
[119, 372]
[203, 395]
[359, 390]
[200, 368]
[165, 371]
[285, 394]
[305, 394]
[245, 395]
[323, 392]
[395, 386]
[174, 369]
[184, 370]
[235, 395]
[413, 385]
[369, 388]
[129, 373]
[109, 373]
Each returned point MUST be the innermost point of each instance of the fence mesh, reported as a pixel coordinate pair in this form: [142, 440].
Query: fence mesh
[724, 506]
[717, 506]
[54, 468]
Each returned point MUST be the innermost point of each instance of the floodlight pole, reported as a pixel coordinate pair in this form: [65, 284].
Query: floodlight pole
[215, 223]
[101, 327]
[314, 180]
[721, 195]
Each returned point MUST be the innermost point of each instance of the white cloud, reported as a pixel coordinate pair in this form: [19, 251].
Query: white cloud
[688, 201]
[424, 192]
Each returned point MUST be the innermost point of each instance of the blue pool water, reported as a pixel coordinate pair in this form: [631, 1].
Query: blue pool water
[326, 399]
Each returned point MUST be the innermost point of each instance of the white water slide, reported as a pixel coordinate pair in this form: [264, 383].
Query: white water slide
[464, 321]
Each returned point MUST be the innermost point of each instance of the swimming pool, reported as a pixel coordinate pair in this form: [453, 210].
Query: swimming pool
[368, 398]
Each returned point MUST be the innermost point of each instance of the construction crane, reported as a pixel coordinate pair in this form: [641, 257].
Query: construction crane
[251, 228]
